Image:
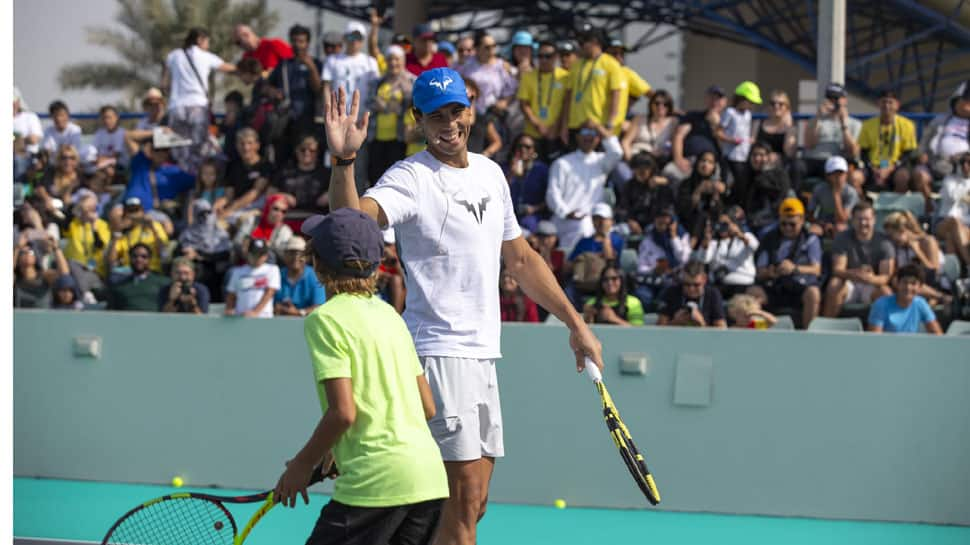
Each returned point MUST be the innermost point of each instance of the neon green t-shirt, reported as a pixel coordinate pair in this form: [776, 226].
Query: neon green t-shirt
[387, 457]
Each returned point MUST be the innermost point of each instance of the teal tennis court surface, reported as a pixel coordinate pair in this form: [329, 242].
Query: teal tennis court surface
[50, 511]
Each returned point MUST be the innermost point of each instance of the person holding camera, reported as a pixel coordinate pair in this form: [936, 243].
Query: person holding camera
[184, 294]
[664, 249]
[138, 228]
[692, 302]
[728, 251]
[832, 132]
[954, 227]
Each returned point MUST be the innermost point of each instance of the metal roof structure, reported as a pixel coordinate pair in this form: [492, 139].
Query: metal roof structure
[921, 50]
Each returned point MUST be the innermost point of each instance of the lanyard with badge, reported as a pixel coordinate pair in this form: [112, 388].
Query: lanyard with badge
[589, 78]
[889, 142]
[544, 105]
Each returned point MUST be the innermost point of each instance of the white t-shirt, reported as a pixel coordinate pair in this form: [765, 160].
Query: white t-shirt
[449, 224]
[736, 124]
[353, 73]
[28, 124]
[187, 90]
[110, 144]
[733, 254]
[54, 139]
[953, 137]
[250, 285]
[953, 198]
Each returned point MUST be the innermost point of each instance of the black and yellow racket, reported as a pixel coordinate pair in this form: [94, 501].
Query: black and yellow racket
[192, 518]
[621, 438]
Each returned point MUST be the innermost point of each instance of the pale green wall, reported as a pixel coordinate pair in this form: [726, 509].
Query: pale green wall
[819, 425]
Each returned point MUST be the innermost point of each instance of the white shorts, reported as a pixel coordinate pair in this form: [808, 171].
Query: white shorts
[858, 293]
[468, 416]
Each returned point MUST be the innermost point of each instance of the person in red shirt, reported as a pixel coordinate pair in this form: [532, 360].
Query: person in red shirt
[423, 56]
[516, 306]
[268, 51]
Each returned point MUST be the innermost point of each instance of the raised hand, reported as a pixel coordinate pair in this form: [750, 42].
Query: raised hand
[345, 132]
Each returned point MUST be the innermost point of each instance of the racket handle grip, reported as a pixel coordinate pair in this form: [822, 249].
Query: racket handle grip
[593, 371]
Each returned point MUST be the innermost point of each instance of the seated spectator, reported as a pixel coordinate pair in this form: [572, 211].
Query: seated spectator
[54, 194]
[268, 51]
[528, 180]
[904, 310]
[62, 130]
[251, 287]
[789, 263]
[734, 131]
[761, 188]
[305, 181]
[576, 182]
[644, 195]
[954, 226]
[745, 312]
[546, 245]
[390, 275]
[139, 291]
[516, 306]
[946, 138]
[209, 188]
[700, 198]
[235, 118]
[388, 105]
[831, 133]
[423, 56]
[692, 302]
[67, 294]
[729, 254]
[652, 133]
[695, 135]
[33, 284]
[612, 304]
[153, 104]
[109, 139]
[913, 245]
[208, 246]
[184, 295]
[138, 227]
[270, 227]
[591, 254]
[300, 291]
[862, 263]
[888, 143]
[248, 178]
[832, 202]
[665, 248]
[26, 124]
[778, 131]
[155, 180]
[87, 238]
[483, 137]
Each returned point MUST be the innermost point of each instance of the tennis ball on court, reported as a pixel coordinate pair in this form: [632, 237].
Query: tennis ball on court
[560, 503]
[177, 481]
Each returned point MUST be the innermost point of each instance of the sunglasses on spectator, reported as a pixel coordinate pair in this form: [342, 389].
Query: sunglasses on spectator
[488, 46]
[279, 209]
[788, 223]
[140, 255]
[587, 131]
[466, 49]
[546, 55]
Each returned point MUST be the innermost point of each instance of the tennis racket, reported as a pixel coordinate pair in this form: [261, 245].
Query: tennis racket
[191, 518]
[621, 438]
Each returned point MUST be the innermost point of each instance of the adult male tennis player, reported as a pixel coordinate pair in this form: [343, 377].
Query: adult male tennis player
[454, 222]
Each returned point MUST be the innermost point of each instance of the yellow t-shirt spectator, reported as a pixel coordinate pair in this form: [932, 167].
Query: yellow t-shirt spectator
[592, 81]
[887, 142]
[145, 235]
[636, 88]
[87, 242]
[543, 93]
[387, 122]
[412, 147]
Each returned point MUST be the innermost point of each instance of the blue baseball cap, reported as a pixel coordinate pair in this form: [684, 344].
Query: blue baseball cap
[446, 46]
[522, 37]
[437, 87]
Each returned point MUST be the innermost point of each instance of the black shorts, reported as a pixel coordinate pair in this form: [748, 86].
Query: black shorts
[412, 524]
[786, 294]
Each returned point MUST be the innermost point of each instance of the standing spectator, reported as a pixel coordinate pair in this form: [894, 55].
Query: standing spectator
[644, 195]
[954, 227]
[729, 254]
[568, 54]
[576, 182]
[946, 138]
[528, 182]
[915, 246]
[522, 44]
[665, 248]
[333, 43]
[153, 104]
[139, 291]
[734, 131]
[251, 287]
[305, 180]
[700, 198]
[745, 312]
[296, 83]
[831, 133]
[761, 189]
[833, 201]
[696, 135]
[139, 228]
[268, 51]
[62, 131]
[87, 237]
[886, 142]
[483, 137]
[465, 48]
[905, 310]
[540, 97]
[692, 302]
[249, 177]
[26, 124]
[636, 86]
[155, 180]
[423, 57]
[208, 246]
[300, 291]
[778, 131]
[593, 88]
[789, 263]
[388, 106]
[516, 306]
[495, 82]
[652, 133]
[186, 77]
[183, 295]
[612, 304]
[109, 140]
[862, 263]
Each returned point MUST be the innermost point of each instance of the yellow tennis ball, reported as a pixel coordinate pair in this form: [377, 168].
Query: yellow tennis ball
[177, 481]
[560, 503]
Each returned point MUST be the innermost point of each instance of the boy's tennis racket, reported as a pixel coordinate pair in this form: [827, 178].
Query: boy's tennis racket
[621, 437]
[191, 518]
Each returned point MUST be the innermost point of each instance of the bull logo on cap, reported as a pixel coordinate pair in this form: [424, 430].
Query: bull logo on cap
[443, 85]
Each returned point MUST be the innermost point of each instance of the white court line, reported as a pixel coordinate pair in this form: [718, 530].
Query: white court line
[46, 541]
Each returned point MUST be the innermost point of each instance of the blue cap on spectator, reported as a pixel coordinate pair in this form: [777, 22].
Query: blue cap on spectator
[437, 87]
[423, 31]
[64, 282]
[446, 46]
[345, 235]
[522, 37]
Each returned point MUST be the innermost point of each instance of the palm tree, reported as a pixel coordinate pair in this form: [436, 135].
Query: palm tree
[150, 29]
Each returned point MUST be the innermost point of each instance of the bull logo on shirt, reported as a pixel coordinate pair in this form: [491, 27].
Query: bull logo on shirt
[443, 85]
[477, 211]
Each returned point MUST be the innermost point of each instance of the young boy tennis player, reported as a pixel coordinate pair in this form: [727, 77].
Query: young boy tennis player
[375, 401]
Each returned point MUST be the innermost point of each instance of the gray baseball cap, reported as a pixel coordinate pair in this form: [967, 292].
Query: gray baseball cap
[345, 235]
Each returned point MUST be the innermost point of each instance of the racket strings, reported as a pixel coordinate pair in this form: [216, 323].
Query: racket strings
[175, 521]
[635, 462]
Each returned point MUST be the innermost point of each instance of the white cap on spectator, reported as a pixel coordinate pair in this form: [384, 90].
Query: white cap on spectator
[603, 210]
[296, 244]
[394, 51]
[356, 26]
[836, 163]
[389, 237]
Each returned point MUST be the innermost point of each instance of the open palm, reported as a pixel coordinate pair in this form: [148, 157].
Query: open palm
[345, 132]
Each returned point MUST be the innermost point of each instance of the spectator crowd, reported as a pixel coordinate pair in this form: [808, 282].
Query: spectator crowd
[645, 212]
